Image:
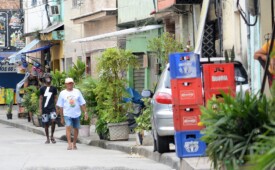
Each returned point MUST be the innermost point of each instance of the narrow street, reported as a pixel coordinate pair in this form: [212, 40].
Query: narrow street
[24, 150]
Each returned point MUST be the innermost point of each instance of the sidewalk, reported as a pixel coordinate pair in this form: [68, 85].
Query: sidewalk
[129, 147]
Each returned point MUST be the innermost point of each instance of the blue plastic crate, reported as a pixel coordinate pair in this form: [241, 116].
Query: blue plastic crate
[188, 144]
[184, 65]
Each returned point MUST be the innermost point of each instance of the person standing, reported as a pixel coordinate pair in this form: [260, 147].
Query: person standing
[47, 100]
[261, 56]
[71, 102]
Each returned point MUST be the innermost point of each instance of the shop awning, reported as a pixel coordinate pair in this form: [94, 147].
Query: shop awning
[39, 49]
[17, 56]
[52, 28]
[119, 33]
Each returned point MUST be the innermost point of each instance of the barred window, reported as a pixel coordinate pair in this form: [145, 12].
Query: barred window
[34, 2]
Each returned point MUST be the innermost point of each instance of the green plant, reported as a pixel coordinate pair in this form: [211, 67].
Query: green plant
[264, 147]
[101, 127]
[110, 90]
[83, 121]
[163, 46]
[231, 128]
[143, 121]
[34, 106]
[10, 105]
[30, 98]
[87, 87]
[58, 79]
[77, 72]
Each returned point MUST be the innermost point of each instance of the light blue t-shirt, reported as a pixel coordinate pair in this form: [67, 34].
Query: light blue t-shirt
[71, 101]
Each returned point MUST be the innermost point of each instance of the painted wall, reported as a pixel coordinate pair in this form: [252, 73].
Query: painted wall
[129, 11]
[76, 31]
[162, 4]
[139, 42]
[8, 4]
[71, 32]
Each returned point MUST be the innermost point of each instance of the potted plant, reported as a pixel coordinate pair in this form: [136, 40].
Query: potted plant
[26, 102]
[112, 67]
[264, 147]
[9, 110]
[85, 125]
[9, 97]
[232, 127]
[87, 86]
[33, 108]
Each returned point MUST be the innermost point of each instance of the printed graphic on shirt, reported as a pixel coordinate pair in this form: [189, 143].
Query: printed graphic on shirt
[48, 95]
[71, 100]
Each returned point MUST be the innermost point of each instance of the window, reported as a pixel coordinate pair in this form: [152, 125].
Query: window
[74, 3]
[34, 2]
[69, 63]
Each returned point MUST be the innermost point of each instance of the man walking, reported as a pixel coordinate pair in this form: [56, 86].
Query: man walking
[71, 102]
[47, 100]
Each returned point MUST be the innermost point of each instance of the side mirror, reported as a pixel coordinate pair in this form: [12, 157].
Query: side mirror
[239, 79]
[146, 93]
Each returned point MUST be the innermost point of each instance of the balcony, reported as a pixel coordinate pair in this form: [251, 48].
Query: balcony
[95, 16]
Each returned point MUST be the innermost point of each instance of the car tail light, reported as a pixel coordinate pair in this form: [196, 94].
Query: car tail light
[164, 98]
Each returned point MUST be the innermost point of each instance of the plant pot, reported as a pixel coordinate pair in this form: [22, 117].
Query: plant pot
[103, 136]
[118, 131]
[84, 131]
[36, 120]
[9, 115]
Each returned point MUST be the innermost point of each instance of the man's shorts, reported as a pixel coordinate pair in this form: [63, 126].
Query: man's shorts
[74, 122]
[47, 117]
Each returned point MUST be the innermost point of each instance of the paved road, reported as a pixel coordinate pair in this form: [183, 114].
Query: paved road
[24, 150]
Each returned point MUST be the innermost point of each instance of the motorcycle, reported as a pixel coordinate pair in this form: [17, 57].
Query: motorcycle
[136, 108]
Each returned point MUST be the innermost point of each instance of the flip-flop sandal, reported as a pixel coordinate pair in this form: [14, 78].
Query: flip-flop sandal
[74, 148]
[47, 142]
[69, 148]
[53, 140]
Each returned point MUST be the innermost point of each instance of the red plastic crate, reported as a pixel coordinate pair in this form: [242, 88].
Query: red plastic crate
[187, 91]
[208, 94]
[186, 117]
[219, 76]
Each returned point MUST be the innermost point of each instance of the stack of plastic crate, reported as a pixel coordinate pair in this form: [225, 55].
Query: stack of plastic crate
[186, 86]
[218, 78]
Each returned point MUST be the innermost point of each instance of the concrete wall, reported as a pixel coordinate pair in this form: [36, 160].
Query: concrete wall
[91, 28]
[72, 32]
[129, 11]
[35, 17]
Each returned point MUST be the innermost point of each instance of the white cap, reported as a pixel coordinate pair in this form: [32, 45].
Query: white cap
[69, 80]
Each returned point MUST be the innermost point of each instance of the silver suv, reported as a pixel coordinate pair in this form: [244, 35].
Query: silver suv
[162, 114]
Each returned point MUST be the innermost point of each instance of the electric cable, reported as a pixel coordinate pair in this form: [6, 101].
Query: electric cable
[243, 15]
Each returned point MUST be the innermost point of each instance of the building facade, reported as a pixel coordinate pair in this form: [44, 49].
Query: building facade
[44, 21]
[93, 18]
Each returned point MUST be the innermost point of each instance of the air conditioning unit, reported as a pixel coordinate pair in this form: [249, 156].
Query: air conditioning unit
[54, 10]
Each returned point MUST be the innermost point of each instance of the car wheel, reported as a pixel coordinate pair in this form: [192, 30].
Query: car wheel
[162, 144]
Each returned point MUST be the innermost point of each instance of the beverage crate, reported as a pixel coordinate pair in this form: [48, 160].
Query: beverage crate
[188, 144]
[208, 94]
[187, 91]
[219, 76]
[184, 65]
[186, 117]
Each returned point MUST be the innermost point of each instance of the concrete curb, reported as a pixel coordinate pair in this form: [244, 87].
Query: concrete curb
[111, 145]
